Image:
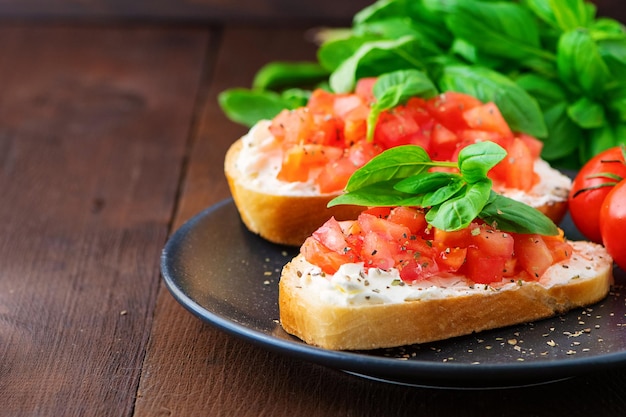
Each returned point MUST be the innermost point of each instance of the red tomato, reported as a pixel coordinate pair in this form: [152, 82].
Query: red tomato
[448, 109]
[589, 189]
[613, 223]
[487, 117]
[533, 255]
[398, 127]
[335, 175]
[318, 254]
[365, 89]
[443, 143]
[517, 168]
[299, 160]
[384, 237]
[412, 218]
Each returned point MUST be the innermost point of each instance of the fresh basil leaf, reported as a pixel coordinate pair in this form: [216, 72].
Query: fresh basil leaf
[510, 215]
[459, 212]
[475, 161]
[470, 53]
[394, 28]
[394, 88]
[380, 10]
[503, 29]
[564, 15]
[432, 187]
[599, 140]
[546, 91]
[280, 75]
[605, 28]
[616, 103]
[447, 192]
[332, 53]
[248, 107]
[374, 58]
[426, 182]
[379, 194]
[613, 52]
[407, 83]
[586, 113]
[565, 135]
[579, 63]
[392, 164]
[519, 109]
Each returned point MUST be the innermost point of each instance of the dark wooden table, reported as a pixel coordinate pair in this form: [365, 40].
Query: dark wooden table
[111, 138]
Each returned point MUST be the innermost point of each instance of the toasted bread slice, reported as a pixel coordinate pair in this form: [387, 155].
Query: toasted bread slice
[359, 309]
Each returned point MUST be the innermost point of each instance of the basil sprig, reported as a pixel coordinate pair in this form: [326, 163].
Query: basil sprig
[401, 176]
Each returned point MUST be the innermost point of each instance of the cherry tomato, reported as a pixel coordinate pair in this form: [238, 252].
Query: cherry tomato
[613, 223]
[589, 190]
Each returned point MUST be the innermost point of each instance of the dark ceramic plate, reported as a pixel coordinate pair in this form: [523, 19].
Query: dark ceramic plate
[229, 277]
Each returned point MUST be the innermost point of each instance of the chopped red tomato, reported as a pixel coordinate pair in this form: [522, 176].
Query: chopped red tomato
[299, 160]
[533, 255]
[517, 169]
[487, 117]
[385, 238]
[442, 125]
[365, 89]
[448, 109]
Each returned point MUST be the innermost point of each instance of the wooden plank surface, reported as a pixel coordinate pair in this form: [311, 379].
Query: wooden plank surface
[93, 128]
[295, 12]
[188, 10]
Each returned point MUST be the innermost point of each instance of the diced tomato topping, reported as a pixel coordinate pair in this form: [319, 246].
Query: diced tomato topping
[365, 89]
[487, 117]
[418, 268]
[318, 254]
[384, 237]
[516, 170]
[448, 109]
[410, 217]
[533, 255]
[452, 259]
[442, 125]
[534, 145]
[299, 160]
[335, 175]
[381, 212]
[443, 143]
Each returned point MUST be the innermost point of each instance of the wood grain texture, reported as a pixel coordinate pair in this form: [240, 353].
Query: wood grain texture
[286, 11]
[187, 10]
[93, 129]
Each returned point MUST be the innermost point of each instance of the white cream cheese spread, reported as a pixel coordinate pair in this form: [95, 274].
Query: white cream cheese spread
[353, 284]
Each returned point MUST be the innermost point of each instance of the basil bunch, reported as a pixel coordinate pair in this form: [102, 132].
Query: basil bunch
[554, 69]
[400, 176]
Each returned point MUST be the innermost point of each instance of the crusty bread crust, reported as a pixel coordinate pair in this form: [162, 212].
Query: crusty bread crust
[290, 219]
[282, 219]
[371, 326]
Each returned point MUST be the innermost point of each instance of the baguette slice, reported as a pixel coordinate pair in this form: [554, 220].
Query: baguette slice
[283, 218]
[287, 214]
[336, 313]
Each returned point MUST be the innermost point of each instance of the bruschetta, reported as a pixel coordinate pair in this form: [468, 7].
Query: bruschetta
[284, 171]
[345, 292]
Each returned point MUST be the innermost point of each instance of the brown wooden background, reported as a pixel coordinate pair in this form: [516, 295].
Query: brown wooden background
[211, 10]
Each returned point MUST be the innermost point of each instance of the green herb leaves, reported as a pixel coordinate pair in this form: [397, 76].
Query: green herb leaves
[394, 88]
[402, 176]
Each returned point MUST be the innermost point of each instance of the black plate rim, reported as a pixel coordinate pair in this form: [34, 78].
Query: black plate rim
[392, 370]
